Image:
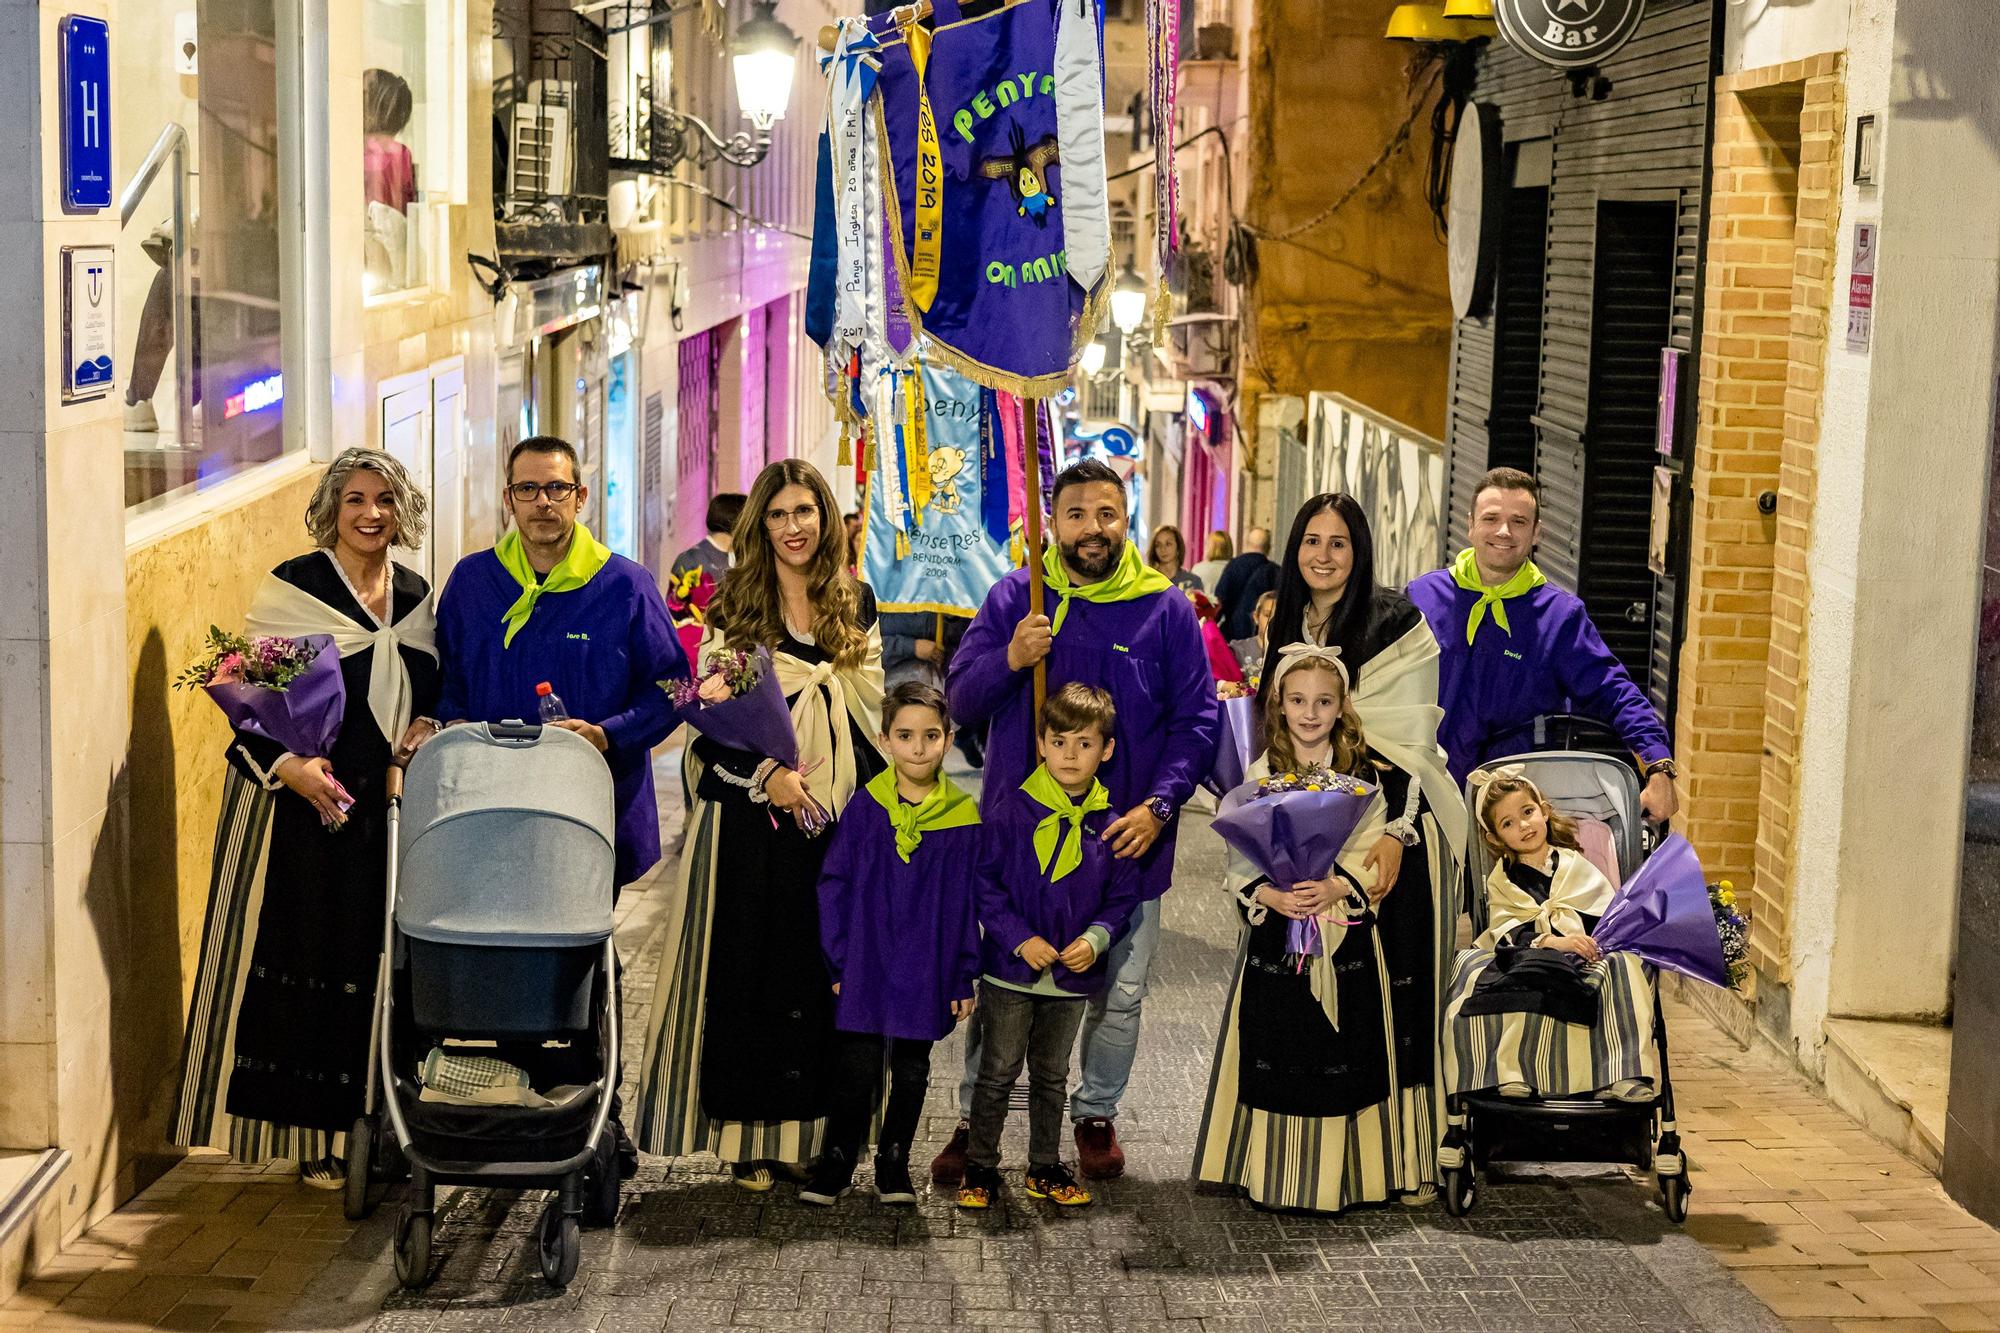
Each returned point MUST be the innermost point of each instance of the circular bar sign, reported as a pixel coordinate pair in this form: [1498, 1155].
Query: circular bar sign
[1569, 34]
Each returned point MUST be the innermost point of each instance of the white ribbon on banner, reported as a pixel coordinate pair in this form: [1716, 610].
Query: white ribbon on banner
[1080, 139]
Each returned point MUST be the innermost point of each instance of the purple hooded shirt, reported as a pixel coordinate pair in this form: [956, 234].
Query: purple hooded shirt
[604, 648]
[1553, 662]
[901, 937]
[1147, 652]
[1018, 900]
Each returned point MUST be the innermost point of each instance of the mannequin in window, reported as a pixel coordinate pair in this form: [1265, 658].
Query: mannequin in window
[389, 176]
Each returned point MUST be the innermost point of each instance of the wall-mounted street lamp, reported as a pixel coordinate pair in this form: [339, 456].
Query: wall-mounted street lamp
[1128, 301]
[763, 57]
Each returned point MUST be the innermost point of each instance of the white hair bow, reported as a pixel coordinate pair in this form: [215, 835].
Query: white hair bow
[1295, 655]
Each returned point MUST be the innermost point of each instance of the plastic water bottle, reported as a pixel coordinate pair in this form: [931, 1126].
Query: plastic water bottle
[551, 704]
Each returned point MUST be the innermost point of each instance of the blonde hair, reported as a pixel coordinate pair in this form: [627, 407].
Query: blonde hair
[1562, 829]
[323, 510]
[1219, 546]
[1350, 745]
[746, 608]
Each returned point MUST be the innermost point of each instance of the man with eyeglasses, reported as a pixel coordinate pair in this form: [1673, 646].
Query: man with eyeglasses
[551, 603]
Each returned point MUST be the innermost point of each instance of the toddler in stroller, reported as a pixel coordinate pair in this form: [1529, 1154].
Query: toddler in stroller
[1551, 1048]
[496, 1034]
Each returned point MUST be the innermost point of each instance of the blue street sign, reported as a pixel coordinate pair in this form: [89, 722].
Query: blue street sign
[86, 108]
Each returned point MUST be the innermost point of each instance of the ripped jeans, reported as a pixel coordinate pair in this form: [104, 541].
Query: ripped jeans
[1110, 1024]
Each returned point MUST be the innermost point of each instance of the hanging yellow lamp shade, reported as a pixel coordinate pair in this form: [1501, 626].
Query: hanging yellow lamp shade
[1428, 22]
[1468, 9]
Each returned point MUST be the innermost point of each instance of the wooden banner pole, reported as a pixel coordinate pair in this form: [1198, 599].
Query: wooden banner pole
[1031, 423]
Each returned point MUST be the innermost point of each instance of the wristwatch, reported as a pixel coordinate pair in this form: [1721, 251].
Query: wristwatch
[1667, 766]
[1162, 808]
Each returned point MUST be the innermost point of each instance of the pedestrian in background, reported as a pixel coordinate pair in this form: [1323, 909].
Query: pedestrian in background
[1209, 570]
[1167, 552]
[697, 572]
[274, 1063]
[1245, 579]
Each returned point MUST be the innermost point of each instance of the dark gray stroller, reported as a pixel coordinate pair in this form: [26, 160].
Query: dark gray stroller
[1484, 1127]
[498, 942]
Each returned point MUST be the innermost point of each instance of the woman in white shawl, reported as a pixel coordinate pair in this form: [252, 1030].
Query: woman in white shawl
[275, 1058]
[737, 1059]
[1327, 595]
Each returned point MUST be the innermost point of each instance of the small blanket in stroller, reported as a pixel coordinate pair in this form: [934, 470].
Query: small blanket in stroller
[1550, 982]
[463, 1079]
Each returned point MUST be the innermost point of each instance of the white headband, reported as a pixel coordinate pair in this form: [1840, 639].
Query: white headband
[1485, 780]
[1309, 654]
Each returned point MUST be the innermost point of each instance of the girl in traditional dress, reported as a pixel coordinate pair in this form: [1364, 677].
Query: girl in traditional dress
[275, 1060]
[1321, 1096]
[1515, 991]
[739, 1058]
[1327, 595]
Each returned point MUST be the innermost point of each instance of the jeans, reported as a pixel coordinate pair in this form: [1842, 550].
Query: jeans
[1110, 1024]
[1018, 1028]
[857, 1081]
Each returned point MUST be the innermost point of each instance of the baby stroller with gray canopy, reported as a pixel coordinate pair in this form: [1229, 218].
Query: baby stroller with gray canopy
[496, 1033]
[1601, 793]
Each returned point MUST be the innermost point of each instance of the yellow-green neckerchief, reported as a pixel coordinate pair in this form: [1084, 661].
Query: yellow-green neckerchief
[1046, 791]
[1130, 578]
[947, 806]
[1466, 572]
[586, 556]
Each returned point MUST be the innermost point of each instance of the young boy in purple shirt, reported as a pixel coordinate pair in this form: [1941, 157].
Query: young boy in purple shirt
[898, 922]
[1052, 897]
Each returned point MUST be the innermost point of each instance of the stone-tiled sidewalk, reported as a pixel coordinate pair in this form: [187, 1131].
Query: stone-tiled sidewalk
[1822, 1224]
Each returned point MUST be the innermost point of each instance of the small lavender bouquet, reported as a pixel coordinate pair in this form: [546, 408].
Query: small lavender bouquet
[283, 689]
[1292, 827]
[736, 701]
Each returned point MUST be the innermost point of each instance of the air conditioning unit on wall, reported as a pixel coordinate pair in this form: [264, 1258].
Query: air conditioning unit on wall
[1203, 347]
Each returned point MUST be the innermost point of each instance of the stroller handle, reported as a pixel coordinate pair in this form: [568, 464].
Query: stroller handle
[394, 783]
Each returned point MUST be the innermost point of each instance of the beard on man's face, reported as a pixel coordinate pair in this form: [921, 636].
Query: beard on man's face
[1093, 557]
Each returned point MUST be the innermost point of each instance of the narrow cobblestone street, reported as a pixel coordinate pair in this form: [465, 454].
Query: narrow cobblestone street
[1799, 1220]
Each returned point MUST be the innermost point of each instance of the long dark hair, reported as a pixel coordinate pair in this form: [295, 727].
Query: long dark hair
[747, 608]
[1349, 625]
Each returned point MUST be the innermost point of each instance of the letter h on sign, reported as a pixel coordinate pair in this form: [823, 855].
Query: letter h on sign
[86, 104]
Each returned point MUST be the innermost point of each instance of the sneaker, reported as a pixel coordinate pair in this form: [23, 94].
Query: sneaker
[328, 1173]
[1054, 1183]
[1098, 1155]
[892, 1174]
[1518, 1090]
[981, 1188]
[752, 1176]
[140, 419]
[833, 1177]
[948, 1167]
[1627, 1090]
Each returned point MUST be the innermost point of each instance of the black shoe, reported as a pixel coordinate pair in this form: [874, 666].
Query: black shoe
[892, 1174]
[831, 1178]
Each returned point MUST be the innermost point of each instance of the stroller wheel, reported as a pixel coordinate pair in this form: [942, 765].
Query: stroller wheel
[561, 1245]
[355, 1203]
[1461, 1190]
[413, 1250]
[1674, 1197]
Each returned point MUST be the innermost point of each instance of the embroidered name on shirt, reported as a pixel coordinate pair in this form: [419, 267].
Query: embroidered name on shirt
[1121, 648]
[584, 637]
[1504, 652]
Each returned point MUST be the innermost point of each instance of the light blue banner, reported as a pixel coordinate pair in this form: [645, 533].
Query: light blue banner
[941, 557]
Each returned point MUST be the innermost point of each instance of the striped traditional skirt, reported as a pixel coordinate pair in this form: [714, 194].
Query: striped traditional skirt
[228, 938]
[671, 1122]
[1325, 1164]
[1554, 1058]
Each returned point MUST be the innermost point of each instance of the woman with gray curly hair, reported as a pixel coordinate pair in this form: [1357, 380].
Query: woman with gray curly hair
[275, 1060]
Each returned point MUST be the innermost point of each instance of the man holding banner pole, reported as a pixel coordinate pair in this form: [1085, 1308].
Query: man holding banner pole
[1119, 626]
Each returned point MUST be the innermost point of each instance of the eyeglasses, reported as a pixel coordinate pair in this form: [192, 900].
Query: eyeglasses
[524, 492]
[805, 516]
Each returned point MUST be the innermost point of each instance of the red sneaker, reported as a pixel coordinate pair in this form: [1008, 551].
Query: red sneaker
[1098, 1155]
[948, 1167]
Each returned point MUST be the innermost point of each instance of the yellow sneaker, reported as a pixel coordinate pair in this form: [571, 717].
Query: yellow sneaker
[1055, 1183]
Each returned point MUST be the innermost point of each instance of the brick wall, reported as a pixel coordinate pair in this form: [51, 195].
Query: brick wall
[1770, 265]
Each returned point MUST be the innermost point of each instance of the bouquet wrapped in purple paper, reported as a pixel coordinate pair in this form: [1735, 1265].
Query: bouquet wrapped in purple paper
[735, 700]
[1241, 739]
[1666, 915]
[1292, 828]
[286, 690]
